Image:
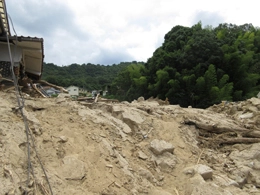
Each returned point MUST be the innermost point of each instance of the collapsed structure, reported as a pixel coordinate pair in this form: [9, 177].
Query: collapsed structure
[25, 54]
[21, 58]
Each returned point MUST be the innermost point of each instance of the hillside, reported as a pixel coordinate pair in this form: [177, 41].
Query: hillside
[88, 76]
[198, 66]
[143, 147]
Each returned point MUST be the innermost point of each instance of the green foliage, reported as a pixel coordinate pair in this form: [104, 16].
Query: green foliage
[129, 83]
[206, 66]
[87, 76]
[194, 66]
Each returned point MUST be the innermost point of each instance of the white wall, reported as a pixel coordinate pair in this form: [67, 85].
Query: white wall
[4, 53]
[73, 90]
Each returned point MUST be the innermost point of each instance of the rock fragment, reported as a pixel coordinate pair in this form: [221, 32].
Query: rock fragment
[203, 170]
[72, 168]
[159, 147]
[142, 155]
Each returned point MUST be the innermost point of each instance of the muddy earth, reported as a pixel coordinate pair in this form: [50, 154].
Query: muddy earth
[145, 147]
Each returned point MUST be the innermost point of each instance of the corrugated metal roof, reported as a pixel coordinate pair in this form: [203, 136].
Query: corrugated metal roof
[4, 24]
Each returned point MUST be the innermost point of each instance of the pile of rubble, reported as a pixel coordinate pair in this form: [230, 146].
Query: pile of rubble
[143, 147]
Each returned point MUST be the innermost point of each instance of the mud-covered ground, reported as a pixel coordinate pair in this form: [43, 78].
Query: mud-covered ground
[143, 147]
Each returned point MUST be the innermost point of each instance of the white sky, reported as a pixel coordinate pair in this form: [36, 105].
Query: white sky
[114, 31]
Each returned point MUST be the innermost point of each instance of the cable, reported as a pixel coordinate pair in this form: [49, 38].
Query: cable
[20, 101]
[15, 53]
[21, 109]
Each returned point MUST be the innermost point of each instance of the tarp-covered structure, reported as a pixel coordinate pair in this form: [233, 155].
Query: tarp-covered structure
[26, 52]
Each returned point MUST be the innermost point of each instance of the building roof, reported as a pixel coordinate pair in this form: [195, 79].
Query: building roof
[32, 47]
[33, 53]
[4, 24]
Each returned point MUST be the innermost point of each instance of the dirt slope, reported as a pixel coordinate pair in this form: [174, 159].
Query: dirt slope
[125, 148]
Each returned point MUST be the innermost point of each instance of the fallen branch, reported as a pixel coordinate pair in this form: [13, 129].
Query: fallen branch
[176, 191]
[54, 86]
[239, 140]
[36, 89]
[111, 184]
[96, 99]
[85, 99]
[251, 133]
[215, 128]
[200, 156]
[5, 79]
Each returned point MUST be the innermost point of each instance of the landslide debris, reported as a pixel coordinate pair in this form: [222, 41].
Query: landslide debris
[142, 147]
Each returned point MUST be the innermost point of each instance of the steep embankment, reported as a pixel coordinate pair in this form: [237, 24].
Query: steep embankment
[127, 148]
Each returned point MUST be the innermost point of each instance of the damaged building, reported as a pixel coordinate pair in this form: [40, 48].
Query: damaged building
[21, 58]
[21, 55]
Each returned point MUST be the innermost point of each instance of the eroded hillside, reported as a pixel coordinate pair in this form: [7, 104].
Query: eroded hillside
[143, 147]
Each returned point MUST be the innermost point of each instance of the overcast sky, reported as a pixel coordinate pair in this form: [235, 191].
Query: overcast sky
[113, 31]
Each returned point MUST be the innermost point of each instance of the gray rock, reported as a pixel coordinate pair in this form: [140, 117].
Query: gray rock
[63, 139]
[241, 175]
[256, 165]
[241, 180]
[146, 174]
[166, 161]
[132, 117]
[160, 146]
[142, 155]
[233, 110]
[255, 101]
[252, 109]
[203, 170]
[246, 115]
[72, 168]
[140, 99]
[192, 183]
[224, 181]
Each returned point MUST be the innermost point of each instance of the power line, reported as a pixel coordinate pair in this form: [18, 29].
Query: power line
[20, 101]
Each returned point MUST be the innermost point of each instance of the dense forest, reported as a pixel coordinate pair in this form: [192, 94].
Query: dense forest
[194, 66]
[87, 76]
